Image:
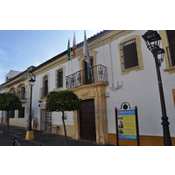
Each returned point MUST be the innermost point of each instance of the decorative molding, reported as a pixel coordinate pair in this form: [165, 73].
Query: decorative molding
[94, 91]
[139, 54]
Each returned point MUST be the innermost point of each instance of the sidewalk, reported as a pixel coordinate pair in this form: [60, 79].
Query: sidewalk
[39, 138]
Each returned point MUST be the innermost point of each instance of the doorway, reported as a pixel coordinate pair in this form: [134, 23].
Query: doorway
[43, 119]
[87, 120]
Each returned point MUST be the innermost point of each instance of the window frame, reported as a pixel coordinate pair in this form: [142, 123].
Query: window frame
[58, 78]
[131, 39]
[165, 44]
[60, 69]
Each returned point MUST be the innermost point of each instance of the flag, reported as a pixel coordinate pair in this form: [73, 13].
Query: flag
[68, 50]
[86, 55]
[74, 46]
[85, 50]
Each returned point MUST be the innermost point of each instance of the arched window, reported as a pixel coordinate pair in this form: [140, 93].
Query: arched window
[12, 91]
[21, 92]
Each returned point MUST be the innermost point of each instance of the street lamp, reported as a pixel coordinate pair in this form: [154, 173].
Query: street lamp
[152, 40]
[29, 135]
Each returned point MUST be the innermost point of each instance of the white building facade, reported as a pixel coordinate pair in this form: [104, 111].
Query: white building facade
[17, 83]
[120, 81]
[123, 70]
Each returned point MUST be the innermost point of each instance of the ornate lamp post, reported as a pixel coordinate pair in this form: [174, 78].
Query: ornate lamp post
[152, 40]
[30, 135]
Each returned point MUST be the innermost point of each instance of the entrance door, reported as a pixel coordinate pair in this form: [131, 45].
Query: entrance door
[87, 120]
[43, 119]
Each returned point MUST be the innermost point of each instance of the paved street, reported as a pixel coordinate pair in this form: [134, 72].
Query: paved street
[39, 138]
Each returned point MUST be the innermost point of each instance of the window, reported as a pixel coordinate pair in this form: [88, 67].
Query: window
[168, 44]
[130, 54]
[21, 113]
[21, 93]
[59, 78]
[12, 114]
[45, 86]
[171, 47]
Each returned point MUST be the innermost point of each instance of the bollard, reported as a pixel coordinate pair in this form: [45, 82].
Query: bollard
[13, 141]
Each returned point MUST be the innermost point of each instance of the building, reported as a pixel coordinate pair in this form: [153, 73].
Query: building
[18, 83]
[122, 70]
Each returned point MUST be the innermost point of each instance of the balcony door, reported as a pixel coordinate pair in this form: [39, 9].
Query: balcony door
[89, 72]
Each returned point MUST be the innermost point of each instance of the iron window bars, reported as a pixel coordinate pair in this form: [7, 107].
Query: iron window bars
[129, 54]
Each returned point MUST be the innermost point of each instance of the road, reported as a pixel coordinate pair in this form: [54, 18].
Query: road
[41, 138]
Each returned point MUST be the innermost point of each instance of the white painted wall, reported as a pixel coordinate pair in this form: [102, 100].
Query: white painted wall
[139, 89]
[11, 74]
[56, 116]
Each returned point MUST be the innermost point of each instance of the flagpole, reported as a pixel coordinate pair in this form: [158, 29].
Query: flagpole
[68, 56]
[86, 56]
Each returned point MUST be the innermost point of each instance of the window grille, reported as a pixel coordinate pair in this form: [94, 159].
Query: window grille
[129, 54]
[59, 78]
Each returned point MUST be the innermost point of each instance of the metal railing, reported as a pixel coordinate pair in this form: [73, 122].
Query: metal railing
[95, 74]
[15, 141]
[171, 55]
[21, 95]
[44, 91]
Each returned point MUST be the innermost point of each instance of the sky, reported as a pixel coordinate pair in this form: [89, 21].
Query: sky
[20, 49]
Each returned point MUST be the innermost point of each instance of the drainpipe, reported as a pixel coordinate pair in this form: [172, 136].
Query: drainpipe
[111, 67]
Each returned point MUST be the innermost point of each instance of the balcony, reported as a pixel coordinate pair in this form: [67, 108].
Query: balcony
[171, 55]
[21, 95]
[95, 74]
[43, 92]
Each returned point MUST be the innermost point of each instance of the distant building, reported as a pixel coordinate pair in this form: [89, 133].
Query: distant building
[18, 84]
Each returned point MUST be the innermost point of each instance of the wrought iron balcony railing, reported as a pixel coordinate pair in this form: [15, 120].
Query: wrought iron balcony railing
[21, 95]
[171, 55]
[44, 91]
[95, 74]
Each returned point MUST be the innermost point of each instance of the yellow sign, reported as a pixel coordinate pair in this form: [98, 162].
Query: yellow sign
[127, 124]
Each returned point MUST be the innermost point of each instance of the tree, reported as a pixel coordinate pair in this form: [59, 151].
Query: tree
[62, 101]
[9, 102]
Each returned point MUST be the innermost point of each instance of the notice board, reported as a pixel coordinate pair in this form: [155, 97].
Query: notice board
[127, 124]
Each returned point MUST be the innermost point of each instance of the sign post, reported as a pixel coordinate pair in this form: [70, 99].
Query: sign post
[127, 123]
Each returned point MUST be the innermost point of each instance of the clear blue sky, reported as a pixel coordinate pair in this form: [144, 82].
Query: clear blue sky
[20, 49]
